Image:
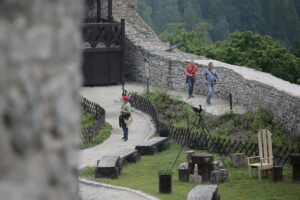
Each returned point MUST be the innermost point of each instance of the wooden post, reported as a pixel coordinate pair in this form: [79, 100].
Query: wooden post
[230, 101]
[98, 11]
[277, 173]
[123, 50]
[109, 10]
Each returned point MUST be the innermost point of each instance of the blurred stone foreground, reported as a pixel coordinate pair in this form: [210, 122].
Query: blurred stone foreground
[39, 99]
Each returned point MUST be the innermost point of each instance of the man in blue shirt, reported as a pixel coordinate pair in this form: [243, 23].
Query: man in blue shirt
[211, 77]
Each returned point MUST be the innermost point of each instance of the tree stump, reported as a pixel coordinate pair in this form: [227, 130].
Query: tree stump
[224, 175]
[238, 159]
[295, 162]
[183, 172]
[277, 173]
[191, 168]
[215, 165]
[183, 175]
[215, 177]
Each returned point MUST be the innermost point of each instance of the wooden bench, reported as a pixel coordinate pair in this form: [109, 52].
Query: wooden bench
[153, 145]
[127, 156]
[108, 166]
[204, 192]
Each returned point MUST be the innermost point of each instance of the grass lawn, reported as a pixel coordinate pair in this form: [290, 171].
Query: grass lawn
[143, 176]
[87, 120]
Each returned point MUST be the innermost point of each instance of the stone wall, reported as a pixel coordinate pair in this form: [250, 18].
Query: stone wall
[39, 100]
[248, 87]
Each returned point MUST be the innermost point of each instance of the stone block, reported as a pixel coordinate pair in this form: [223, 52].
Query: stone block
[194, 178]
[224, 175]
[238, 159]
[189, 155]
[215, 177]
[204, 192]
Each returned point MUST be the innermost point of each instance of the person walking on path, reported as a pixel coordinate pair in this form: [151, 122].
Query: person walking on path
[125, 117]
[211, 77]
[191, 70]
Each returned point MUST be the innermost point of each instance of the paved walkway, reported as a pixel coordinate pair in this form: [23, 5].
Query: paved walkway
[140, 130]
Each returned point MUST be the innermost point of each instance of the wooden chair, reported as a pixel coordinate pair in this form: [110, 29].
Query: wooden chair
[265, 153]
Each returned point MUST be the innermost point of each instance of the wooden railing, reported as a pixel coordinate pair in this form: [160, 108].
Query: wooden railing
[98, 112]
[104, 34]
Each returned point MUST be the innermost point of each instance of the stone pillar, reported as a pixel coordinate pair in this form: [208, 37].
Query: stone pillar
[39, 100]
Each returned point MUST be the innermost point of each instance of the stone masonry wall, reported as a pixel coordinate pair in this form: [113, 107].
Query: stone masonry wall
[39, 99]
[248, 87]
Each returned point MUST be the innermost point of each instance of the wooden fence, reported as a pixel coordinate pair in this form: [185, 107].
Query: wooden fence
[87, 134]
[223, 146]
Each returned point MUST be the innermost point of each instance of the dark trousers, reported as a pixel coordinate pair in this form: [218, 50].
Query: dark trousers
[191, 83]
[125, 132]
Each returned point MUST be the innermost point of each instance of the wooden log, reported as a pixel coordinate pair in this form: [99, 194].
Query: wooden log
[215, 177]
[295, 162]
[191, 167]
[238, 159]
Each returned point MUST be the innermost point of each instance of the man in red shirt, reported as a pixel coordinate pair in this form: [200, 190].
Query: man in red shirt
[191, 70]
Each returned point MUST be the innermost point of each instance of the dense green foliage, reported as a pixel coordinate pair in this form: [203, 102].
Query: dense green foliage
[238, 127]
[259, 52]
[143, 176]
[278, 18]
[87, 120]
[243, 48]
